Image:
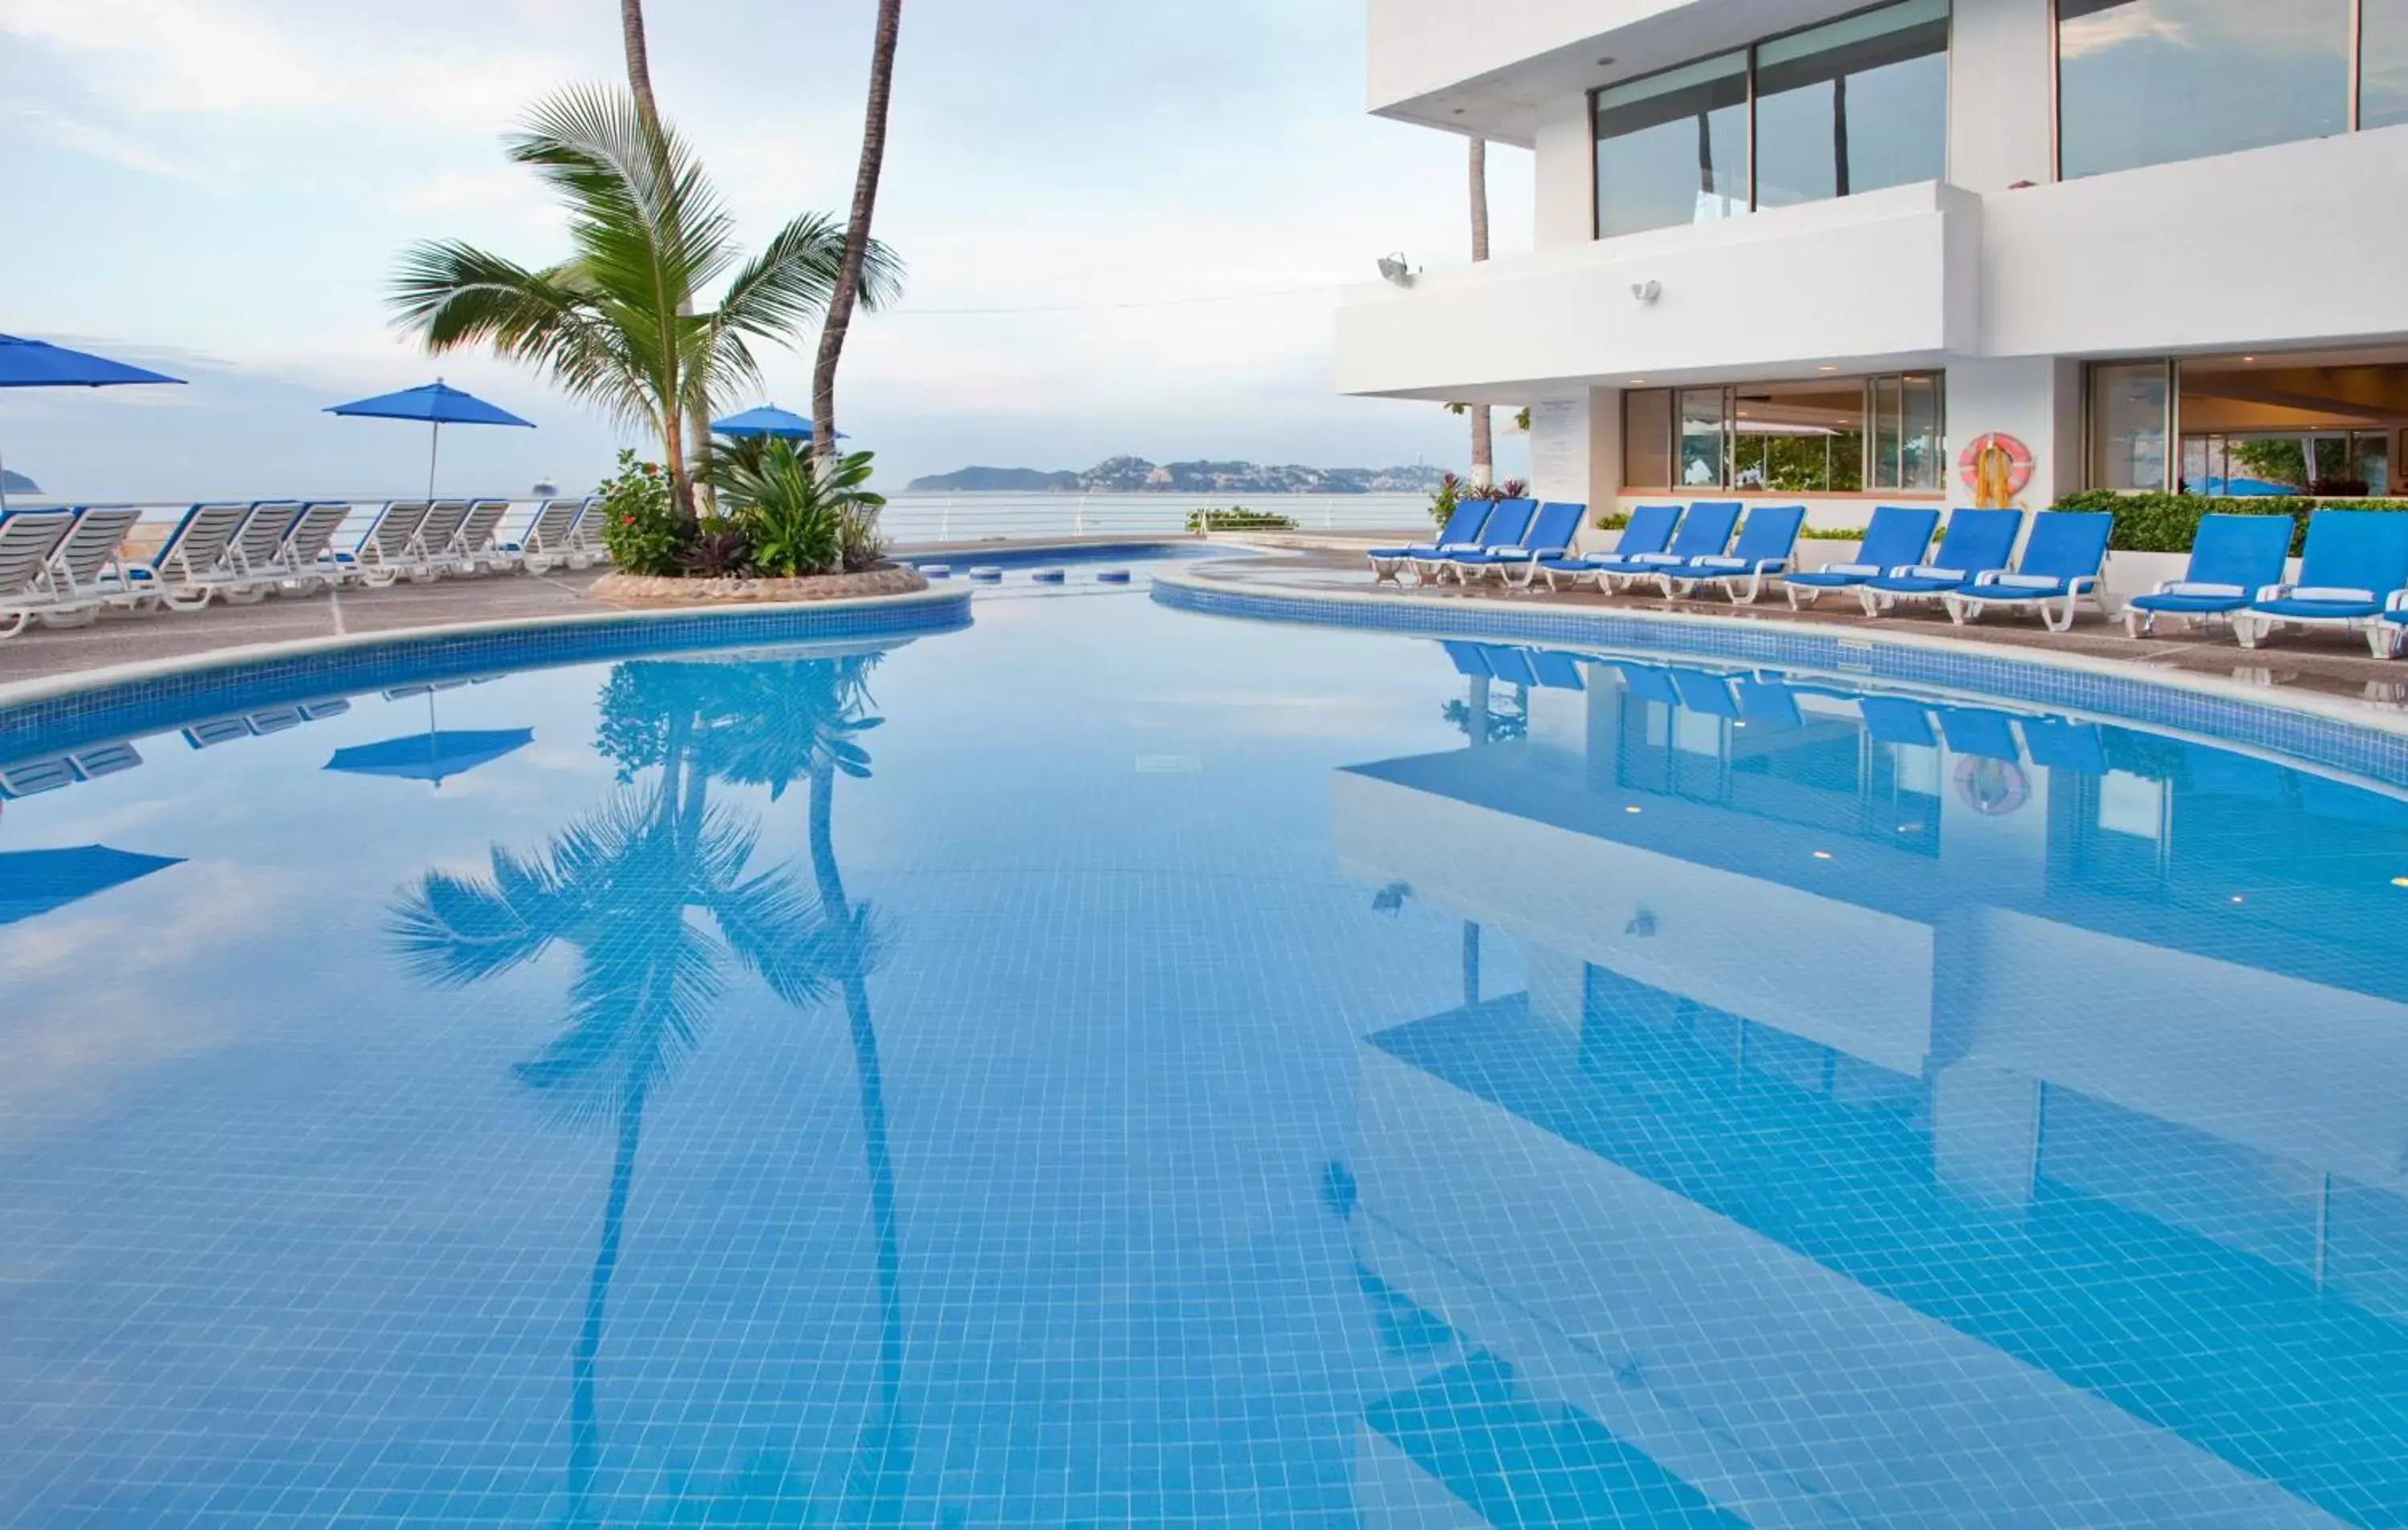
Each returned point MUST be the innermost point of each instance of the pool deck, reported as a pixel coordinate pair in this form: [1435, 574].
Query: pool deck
[2318, 663]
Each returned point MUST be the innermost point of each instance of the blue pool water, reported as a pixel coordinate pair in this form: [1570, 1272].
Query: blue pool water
[1112, 1065]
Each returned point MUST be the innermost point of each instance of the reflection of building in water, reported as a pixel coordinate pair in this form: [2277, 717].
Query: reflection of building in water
[1916, 1114]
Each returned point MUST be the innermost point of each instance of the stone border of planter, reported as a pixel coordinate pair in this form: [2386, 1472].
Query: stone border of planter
[644, 589]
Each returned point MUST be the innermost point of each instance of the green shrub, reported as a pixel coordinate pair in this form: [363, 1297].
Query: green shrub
[794, 519]
[2158, 522]
[1614, 521]
[640, 526]
[1239, 517]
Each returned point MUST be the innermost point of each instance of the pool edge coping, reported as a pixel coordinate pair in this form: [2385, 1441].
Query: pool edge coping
[20, 693]
[2325, 708]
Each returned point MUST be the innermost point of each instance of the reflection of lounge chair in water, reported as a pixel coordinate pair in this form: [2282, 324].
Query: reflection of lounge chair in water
[1895, 720]
[2058, 743]
[1979, 730]
[1556, 670]
[1768, 703]
[1708, 694]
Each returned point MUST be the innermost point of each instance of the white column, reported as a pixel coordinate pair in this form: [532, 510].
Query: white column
[1576, 447]
[1985, 1135]
[2001, 68]
[1564, 166]
[2035, 399]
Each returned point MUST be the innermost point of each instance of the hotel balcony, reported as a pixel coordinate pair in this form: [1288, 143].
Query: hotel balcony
[1886, 279]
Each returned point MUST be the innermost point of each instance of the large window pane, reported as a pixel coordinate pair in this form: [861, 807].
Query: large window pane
[1673, 148]
[1852, 106]
[1705, 438]
[1647, 439]
[1922, 434]
[1799, 437]
[2150, 81]
[2383, 44]
[2129, 407]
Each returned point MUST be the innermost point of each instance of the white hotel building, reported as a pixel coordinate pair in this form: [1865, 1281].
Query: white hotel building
[1811, 249]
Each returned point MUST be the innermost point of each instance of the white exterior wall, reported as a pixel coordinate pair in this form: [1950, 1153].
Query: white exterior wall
[2001, 277]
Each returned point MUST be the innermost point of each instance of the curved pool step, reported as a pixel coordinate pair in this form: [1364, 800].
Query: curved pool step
[1112, 576]
[1049, 576]
[937, 571]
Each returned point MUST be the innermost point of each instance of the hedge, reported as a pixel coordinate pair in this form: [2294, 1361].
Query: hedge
[2166, 523]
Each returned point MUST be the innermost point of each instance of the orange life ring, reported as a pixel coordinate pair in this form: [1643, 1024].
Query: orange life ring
[1996, 467]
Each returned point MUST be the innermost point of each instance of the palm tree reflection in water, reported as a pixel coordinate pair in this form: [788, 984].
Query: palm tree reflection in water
[622, 886]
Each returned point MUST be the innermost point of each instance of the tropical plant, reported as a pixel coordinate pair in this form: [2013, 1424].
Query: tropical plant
[619, 324]
[857, 235]
[1450, 495]
[801, 517]
[1239, 517]
[641, 525]
[722, 549]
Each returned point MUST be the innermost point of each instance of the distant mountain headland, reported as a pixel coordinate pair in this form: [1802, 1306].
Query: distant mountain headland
[1136, 475]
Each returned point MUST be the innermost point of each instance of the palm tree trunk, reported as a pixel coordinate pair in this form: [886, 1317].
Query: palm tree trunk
[640, 63]
[585, 1425]
[1483, 447]
[837, 908]
[856, 233]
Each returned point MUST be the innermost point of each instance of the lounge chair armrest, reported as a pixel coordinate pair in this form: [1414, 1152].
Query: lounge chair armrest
[2272, 592]
[1989, 576]
[2396, 601]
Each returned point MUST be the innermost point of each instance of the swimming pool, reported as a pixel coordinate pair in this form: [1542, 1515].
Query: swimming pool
[1110, 1065]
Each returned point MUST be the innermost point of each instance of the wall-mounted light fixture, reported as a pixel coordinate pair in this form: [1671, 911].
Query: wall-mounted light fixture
[1647, 292]
[1394, 270]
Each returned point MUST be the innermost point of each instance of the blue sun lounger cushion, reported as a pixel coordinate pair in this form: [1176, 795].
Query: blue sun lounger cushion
[1977, 542]
[1461, 531]
[1650, 530]
[2350, 575]
[2232, 557]
[1549, 535]
[1705, 533]
[1896, 539]
[1507, 523]
[2060, 566]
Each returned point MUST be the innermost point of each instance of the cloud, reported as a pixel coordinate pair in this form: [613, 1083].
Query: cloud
[171, 55]
[101, 143]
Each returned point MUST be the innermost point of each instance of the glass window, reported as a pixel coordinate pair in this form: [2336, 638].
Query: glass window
[1673, 148]
[2150, 81]
[1922, 438]
[1799, 437]
[2131, 402]
[1852, 106]
[1647, 439]
[1705, 438]
[2383, 56]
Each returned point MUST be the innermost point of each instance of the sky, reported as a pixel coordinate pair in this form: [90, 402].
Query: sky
[1164, 197]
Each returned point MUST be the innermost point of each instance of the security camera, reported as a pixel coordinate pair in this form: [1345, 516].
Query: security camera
[1394, 270]
[1647, 292]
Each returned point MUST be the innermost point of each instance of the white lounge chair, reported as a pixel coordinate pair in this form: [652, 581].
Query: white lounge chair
[27, 539]
[188, 569]
[586, 545]
[431, 555]
[253, 554]
[303, 557]
[386, 546]
[474, 549]
[83, 574]
[545, 543]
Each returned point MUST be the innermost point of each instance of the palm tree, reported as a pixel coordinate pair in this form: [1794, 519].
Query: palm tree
[1483, 447]
[640, 63]
[619, 323]
[865, 201]
[617, 886]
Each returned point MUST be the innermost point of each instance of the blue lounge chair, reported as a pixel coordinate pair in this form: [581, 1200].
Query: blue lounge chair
[2231, 558]
[1707, 695]
[1705, 532]
[1977, 542]
[1981, 731]
[1511, 666]
[1469, 659]
[1895, 720]
[1508, 518]
[1649, 683]
[1765, 547]
[1558, 670]
[1896, 539]
[1650, 530]
[1550, 535]
[2060, 566]
[2350, 576]
[1461, 533]
[1769, 705]
[2058, 743]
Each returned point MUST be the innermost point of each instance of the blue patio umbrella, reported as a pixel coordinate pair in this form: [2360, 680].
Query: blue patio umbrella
[768, 420]
[38, 364]
[438, 406]
[35, 882]
[433, 757]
